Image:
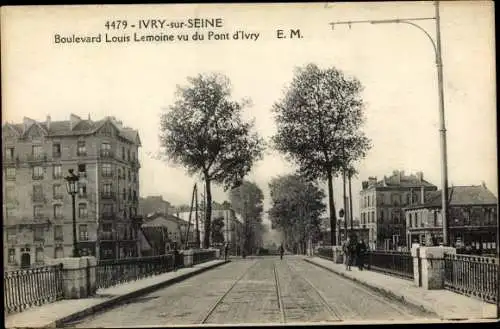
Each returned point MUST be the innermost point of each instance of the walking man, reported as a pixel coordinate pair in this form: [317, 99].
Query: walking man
[226, 250]
[361, 251]
[345, 250]
[282, 251]
[176, 257]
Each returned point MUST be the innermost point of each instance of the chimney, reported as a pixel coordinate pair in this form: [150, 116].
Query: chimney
[73, 120]
[48, 122]
[483, 184]
[397, 176]
[420, 176]
[27, 122]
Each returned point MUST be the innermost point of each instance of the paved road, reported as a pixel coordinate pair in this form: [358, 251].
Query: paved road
[257, 290]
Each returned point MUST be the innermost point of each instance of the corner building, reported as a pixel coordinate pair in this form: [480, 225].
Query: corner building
[38, 220]
[382, 206]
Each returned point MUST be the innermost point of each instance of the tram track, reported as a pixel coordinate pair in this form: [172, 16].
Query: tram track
[207, 316]
[335, 314]
[278, 294]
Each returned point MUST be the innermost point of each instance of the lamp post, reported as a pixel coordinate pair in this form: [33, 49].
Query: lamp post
[72, 187]
[442, 127]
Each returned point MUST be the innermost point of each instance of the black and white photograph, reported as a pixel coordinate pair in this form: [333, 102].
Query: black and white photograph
[327, 163]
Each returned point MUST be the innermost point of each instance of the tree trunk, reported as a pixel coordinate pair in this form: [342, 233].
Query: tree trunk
[331, 204]
[208, 214]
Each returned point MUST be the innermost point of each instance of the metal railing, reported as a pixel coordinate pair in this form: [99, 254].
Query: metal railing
[398, 263]
[324, 252]
[201, 256]
[32, 287]
[113, 272]
[472, 275]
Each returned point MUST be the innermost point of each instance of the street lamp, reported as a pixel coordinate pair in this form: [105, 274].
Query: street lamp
[72, 187]
[442, 129]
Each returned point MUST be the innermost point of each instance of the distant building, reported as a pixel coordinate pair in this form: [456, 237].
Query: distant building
[154, 204]
[382, 203]
[37, 210]
[472, 217]
[173, 230]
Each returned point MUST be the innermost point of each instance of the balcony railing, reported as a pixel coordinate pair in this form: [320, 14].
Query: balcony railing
[135, 163]
[11, 160]
[38, 198]
[107, 236]
[37, 157]
[58, 196]
[56, 154]
[37, 177]
[108, 216]
[32, 287]
[106, 154]
[108, 195]
[472, 275]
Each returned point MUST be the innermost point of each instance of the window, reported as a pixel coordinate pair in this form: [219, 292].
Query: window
[10, 173]
[81, 149]
[37, 151]
[59, 252]
[107, 209]
[58, 233]
[38, 193]
[56, 150]
[466, 214]
[107, 190]
[123, 153]
[10, 212]
[9, 153]
[119, 173]
[58, 213]
[39, 255]
[105, 149]
[38, 234]
[57, 191]
[82, 170]
[124, 194]
[129, 194]
[82, 190]
[10, 193]
[38, 172]
[381, 215]
[128, 155]
[12, 256]
[434, 213]
[106, 170]
[129, 176]
[83, 233]
[82, 210]
[373, 216]
[57, 171]
[107, 227]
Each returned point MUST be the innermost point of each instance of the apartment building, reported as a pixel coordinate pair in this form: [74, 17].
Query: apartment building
[36, 206]
[382, 203]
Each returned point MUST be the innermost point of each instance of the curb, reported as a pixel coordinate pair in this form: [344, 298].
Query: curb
[116, 301]
[385, 292]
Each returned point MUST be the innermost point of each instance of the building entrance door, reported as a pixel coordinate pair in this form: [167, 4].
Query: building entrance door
[25, 260]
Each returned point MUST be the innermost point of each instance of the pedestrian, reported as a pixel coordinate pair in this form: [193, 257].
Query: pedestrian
[361, 252]
[226, 250]
[345, 251]
[176, 257]
[282, 251]
[352, 250]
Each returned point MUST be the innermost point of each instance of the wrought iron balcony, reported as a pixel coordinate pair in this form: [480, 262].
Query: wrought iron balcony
[108, 195]
[109, 216]
[107, 154]
[42, 157]
[58, 196]
[107, 236]
[38, 198]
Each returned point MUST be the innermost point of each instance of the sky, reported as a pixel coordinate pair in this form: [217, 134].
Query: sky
[135, 82]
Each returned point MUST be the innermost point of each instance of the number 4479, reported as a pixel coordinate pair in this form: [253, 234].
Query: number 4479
[116, 25]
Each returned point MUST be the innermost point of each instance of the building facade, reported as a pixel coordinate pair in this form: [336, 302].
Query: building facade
[154, 204]
[473, 220]
[382, 203]
[37, 208]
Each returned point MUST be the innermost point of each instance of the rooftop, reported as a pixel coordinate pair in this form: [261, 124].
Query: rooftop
[398, 179]
[75, 126]
[472, 195]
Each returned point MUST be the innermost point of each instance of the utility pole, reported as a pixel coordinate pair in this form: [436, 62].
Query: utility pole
[344, 188]
[442, 123]
[351, 215]
[196, 218]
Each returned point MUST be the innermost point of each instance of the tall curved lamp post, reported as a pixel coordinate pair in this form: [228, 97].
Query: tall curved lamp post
[436, 46]
[72, 188]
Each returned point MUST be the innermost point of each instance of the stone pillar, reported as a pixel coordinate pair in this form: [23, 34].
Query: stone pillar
[432, 260]
[416, 268]
[78, 276]
[188, 257]
[338, 257]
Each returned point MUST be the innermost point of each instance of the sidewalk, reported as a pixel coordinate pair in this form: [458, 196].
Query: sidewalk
[55, 314]
[446, 304]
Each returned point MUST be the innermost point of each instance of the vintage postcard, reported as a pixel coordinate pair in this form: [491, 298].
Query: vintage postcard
[249, 164]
